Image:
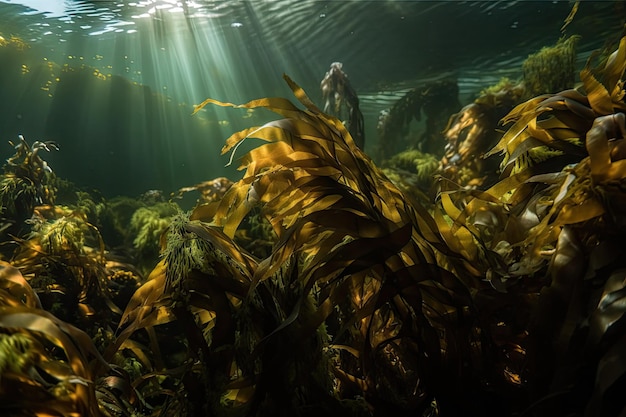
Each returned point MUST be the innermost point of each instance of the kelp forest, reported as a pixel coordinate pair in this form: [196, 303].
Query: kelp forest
[476, 269]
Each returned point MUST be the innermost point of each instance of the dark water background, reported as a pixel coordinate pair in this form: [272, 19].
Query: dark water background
[114, 83]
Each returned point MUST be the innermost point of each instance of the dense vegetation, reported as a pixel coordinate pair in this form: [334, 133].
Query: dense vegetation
[314, 284]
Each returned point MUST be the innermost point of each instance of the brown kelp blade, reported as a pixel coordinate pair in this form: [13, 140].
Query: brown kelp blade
[12, 281]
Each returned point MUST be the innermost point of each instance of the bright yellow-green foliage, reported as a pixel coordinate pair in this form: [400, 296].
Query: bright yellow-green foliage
[62, 235]
[91, 209]
[414, 161]
[15, 353]
[184, 251]
[504, 83]
[16, 194]
[149, 223]
[504, 94]
[551, 69]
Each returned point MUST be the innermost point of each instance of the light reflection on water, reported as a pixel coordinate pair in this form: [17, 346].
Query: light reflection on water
[237, 51]
[111, 16]
[384, 44]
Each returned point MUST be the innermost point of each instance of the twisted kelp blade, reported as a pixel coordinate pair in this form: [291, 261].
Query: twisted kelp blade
[12, 281]
[148, 307]
[607, 97]
[614, 71]
[145, 297]
[300, 136]
[360, 254]
[599, 97]
[301, 95]
[76, 345]
[571, 102]
[459, 239]
[521, 115]
[278, 105]
[609, 318]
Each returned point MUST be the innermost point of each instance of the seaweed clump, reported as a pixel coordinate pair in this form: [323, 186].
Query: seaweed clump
[503, 301]
[435, 101]
[551, 69]
[50, 367]
[550, 236]
[147, 225]
[342, 101]
[27, 181]
[472, 132]
[412, 172]
[63, 258]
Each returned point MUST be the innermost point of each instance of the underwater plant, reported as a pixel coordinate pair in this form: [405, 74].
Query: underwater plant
[63, 258]
[147, 224]
[49, 367]
[412, 172]
[27, 181]
[549, 234]
[414, 161]
[435, 100]
[351, 263]
[212, 190]
[472, 132]
[341, 100]
[551, 69]
[469, 135]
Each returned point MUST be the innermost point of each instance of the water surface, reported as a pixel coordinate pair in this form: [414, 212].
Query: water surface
[123, 116]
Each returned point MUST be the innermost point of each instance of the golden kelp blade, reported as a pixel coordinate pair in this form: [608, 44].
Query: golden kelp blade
[278, 104]
[613, 73]
[344, 230]
[570, 17]
[599, 97]
[570, 112]
[77, 347]
[12, 281]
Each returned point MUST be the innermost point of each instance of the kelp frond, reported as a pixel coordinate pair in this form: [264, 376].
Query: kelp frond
[347, 236]
[550, 236]
[560, 121]
[48, 366]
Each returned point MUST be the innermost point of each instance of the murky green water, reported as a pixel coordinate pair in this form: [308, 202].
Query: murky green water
[114, 83]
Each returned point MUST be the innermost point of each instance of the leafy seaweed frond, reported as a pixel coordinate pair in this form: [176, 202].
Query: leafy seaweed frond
[348, 238]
